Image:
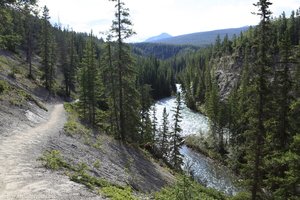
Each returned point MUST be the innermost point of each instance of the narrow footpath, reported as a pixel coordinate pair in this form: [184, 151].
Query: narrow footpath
[21, 174]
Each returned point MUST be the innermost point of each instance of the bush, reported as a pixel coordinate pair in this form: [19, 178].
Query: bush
[116, 193]
[186, 188]
[53, 160]
[81, 176]
[3, 86]
[72, 127]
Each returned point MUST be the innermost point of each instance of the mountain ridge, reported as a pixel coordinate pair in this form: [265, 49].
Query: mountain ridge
[200, 38]
[159, 37]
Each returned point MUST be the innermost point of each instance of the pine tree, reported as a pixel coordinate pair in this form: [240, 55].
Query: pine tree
[128, 96]
[176, 140]
[48, 51]
[90, 83]
[30, 34]
[146, 131]
[164, 135]
[110, 75]
[260, 104]
[154, 121]
[213, 110]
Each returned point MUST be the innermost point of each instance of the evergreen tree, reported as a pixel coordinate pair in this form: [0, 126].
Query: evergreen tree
[164, 135]
[154, 121]
[146, 132]
[260, 104]
[90, 82]
[110, 75]
[176, 140]
[128, 105]
[48, 51]
[30, 34]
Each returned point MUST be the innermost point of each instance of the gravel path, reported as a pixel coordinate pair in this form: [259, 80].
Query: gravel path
[23, 177]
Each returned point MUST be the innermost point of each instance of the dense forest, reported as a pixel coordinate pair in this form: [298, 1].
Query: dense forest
[255, 119]
[248, 86]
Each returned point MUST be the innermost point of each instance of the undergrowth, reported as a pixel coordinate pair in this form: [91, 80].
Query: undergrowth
[53, 160]
[115, 193]
[73, 126]
[185, 188]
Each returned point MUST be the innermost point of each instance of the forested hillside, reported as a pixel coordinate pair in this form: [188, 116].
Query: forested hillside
[249, 89]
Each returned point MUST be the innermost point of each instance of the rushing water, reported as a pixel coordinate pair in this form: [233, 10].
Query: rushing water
[204, 169]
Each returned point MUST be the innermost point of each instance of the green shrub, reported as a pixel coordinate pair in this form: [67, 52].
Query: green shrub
[3, 86]
[185, 188]
[53, 160]
[116, 193]
[97, 164]
[81, 176]
[72, 127]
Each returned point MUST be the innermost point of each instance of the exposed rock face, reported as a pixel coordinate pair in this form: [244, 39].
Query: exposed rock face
[227, 71]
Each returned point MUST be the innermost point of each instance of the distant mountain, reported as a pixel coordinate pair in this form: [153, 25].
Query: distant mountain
[159, 37]
[201, 38]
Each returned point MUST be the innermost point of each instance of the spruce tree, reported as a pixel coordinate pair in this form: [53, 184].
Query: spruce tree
[48, 51]
[176, 140]
[260, 103]
[90, 82]
[110, 77]
[128, 96]
[146, 132]
[30, 34]
[164, 135]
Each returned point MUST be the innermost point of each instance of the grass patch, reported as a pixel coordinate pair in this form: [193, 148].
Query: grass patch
[53, 160]
[116, 193]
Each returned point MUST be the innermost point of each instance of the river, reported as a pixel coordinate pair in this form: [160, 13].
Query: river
[205, 170]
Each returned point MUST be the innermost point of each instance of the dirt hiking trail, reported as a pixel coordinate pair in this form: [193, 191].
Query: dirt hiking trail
[23, 177]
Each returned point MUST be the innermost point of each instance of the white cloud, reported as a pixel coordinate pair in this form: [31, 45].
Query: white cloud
[152, 17]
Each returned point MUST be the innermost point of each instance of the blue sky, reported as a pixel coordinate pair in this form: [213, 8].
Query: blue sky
[152, 17]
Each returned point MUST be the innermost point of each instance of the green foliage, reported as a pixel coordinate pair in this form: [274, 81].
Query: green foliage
[161, 51]
[3, 86]
[90, 83]
[185, 189]
[254, 126]
[53, 160]
[241, 196]
[176, 140]
[73, 126]
[116, 193]
[48, 51]
[82, 176]
[97, 164]
[158, 75]
[164, 135]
